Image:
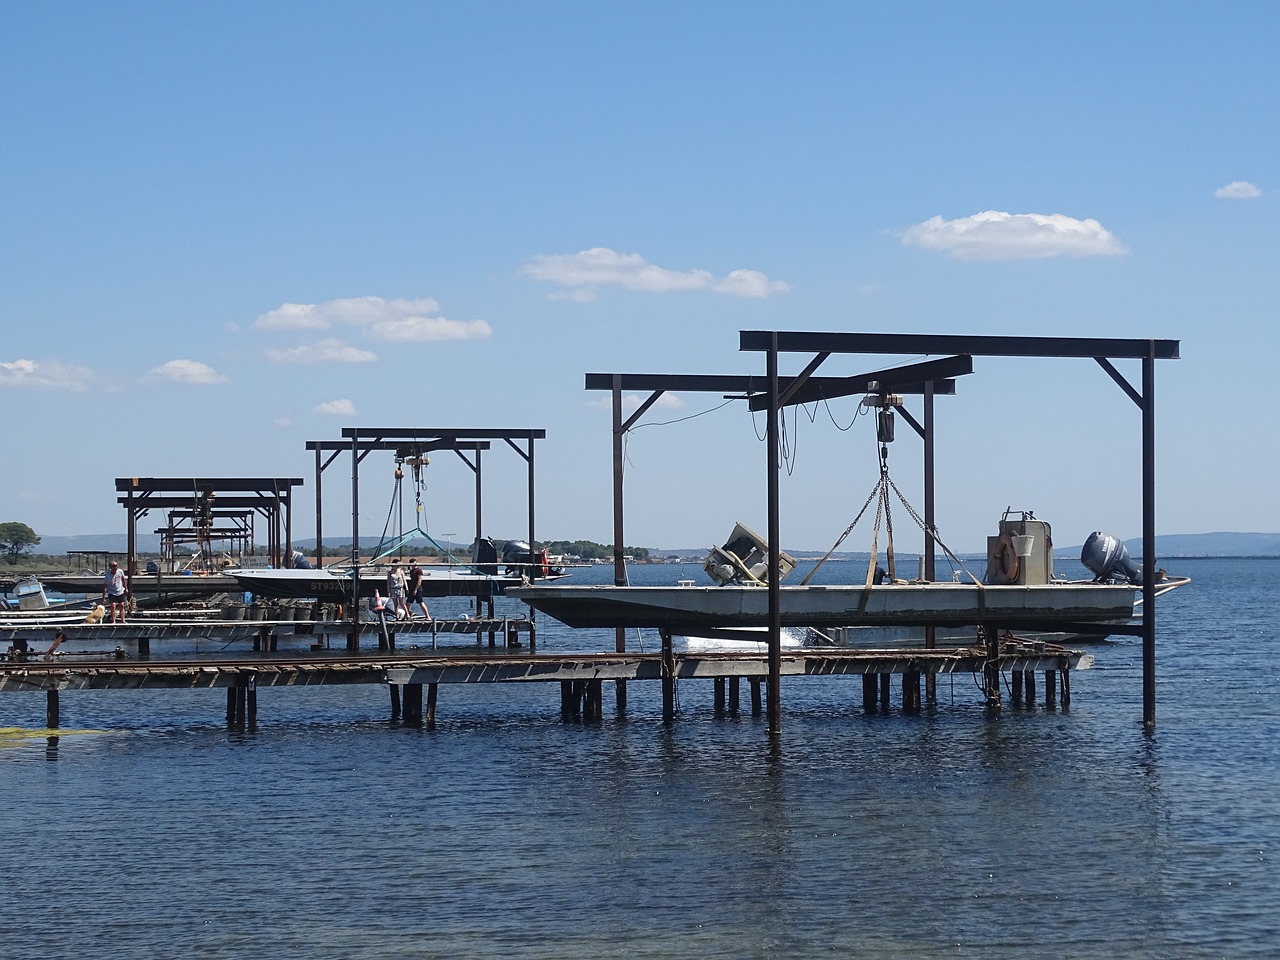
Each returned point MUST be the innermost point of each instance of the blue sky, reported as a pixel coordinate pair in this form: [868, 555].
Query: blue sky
[227, 229]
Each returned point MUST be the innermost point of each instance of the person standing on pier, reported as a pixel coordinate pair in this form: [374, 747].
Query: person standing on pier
[396, 589]
[415, 590]
[113, 591]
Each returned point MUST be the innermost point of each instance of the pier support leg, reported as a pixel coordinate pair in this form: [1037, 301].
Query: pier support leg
[1065, 679]
[911, 691]
[231, 705]
[1017, 687]
[395, 700]
[620, 696]
[886, 691]
[719, 696]
[413, 704]
[1029, 678]
[51, 711]
[733, 696]
[566, 700]
[991, 669]
[870, 692]
[144, 648]
[595, 700]
[756, 708]
[431, 705]
[668, 679]
[1051, 688]
[251, 704]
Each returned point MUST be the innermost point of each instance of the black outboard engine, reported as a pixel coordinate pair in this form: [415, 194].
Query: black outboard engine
[516, 555]
[484, 556]
[1108, 559]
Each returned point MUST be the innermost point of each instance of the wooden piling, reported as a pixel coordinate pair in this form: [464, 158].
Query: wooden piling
[733, 696]
[431, 706]
[756, 708]
[1050, 688]
[869, 692]
[395, 700]
[886, 691]
[413, 704]
[991, 669]
[719, 696]
[911, 691]
[1064, 678]
[1029, 681]
[52, 713]
[1017, 686]
[668, 678]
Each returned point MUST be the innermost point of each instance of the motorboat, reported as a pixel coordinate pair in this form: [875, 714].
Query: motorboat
[1018, 592]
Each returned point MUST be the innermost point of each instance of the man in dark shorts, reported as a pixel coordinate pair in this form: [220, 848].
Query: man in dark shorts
[415, 589]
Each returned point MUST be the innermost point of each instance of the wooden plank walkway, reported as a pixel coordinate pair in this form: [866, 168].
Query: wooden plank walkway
[423, 667]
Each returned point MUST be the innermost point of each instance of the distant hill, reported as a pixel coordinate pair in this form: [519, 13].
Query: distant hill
[1167, 545]
[1211, 545]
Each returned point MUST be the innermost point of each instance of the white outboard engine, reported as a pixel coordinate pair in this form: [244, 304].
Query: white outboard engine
[1108, 558]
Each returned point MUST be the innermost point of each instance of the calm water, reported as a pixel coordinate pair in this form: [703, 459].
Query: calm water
[329, 832]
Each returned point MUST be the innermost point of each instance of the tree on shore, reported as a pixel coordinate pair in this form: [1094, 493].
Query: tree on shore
[16, 539]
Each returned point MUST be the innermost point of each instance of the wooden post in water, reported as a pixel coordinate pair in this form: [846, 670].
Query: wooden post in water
[733, 696]
[886, 691]
[413, 704]
[869, 693]
[719, 696]
[1017, 687]
[51, 713]
[991, 669]
[1050, 688]
[911, 691]
[1029, 678]
[1065, 679]
[668, 678]
[566, 700]
[755, 697]
[431, 706]
[395, 700]
[251, 703]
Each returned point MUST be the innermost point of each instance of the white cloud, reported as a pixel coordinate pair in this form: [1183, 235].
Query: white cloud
[632, 401]
[362, 312]
[187, 371]
[428, 329]
[1238, 190]
[336, 408]
[283, 422]
[994, 235]
[43, 376]
[583, 272]
[323, 351]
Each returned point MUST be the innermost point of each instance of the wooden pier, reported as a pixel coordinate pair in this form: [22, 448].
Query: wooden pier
[580, 676]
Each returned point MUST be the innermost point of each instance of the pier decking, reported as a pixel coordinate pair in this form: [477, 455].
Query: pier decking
[581, 675]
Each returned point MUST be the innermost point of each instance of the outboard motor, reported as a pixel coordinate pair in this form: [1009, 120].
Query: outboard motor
[1108, 558]
[484, 556]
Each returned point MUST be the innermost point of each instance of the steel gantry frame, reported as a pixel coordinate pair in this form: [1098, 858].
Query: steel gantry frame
[272, 497]
[823, 345]
[928, 378]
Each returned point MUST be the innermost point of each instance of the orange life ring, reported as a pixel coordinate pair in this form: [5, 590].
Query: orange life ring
[1006, 558]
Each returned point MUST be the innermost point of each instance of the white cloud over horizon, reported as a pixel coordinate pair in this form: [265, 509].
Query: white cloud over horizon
[632, 401]
[45, 375]
[188, 372]
[330, 350]
[996, 235]
[1238, 190]
[336, 408]
[582, 273]
[397, 320]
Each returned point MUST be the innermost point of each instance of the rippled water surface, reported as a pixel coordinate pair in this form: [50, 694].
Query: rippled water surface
[148, 829]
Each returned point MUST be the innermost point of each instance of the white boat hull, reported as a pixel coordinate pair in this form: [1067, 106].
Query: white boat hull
[933, 604]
